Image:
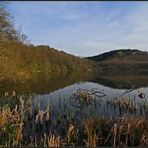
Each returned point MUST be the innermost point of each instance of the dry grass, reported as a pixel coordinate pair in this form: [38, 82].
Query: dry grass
[123, 131]
[70, 133]
[2, 120]
[11, 124]
[91, 132]
[53, 141]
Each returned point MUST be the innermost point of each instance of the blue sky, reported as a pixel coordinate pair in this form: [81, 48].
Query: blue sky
[84, 28]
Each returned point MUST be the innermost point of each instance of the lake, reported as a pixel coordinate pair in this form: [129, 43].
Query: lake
[60, 92]
[74, 100]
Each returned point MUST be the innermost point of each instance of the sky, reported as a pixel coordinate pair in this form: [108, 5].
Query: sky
[84, 28]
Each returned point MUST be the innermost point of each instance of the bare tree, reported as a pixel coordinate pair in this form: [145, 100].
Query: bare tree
[7, 27]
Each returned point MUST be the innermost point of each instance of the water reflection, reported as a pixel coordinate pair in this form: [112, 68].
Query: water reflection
[122, 82]
[43, 85]
[59, 91]
[70, 100]
[63, 98]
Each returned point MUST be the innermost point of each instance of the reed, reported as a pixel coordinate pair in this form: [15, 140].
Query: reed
[62, 130]
[70, 133]
[2, 120]
[53, 141]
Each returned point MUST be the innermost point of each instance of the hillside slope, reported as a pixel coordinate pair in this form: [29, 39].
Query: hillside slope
[20, 61]
[123, 63]
[122, 55]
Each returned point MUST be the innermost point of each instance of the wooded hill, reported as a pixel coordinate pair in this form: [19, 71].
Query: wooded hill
[123, 63]
[122, 56]
[20, 60]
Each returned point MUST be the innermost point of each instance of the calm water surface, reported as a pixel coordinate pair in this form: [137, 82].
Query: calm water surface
[60, 94]
[64, 97]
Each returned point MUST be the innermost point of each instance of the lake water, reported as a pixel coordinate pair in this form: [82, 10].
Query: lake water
[98, 107]
[73, 100]
[102, 91]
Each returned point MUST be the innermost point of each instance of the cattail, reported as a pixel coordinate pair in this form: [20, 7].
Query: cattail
[45, 138]
[126, 102]
[37, 119]
[30, 109]
[13, 94]
[70, 132]
[22, 108]
[128, 131]
[115, 101]
[41, 113]
[135, 107]
[2, 119]
[6, 94]
[22, 102]
[115, 134]
[120, 102]
[47, 111]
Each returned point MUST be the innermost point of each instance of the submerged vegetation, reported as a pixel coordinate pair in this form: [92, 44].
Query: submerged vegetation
[28, 123]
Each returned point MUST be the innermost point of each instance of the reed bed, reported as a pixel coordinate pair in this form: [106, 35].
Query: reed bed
[25, 123]
[120, 132]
